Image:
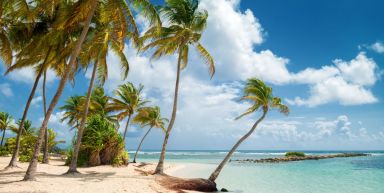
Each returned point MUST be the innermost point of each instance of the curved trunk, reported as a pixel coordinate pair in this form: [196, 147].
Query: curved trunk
[45, 155]
[126, 129]
[30, 174]
[15, 154]
[2, 139]
[73, 165]
[160, 165]
[217, 171]
[141, 142]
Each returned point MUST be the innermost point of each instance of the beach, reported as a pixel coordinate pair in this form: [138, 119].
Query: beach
[315, 176]
[98, 179]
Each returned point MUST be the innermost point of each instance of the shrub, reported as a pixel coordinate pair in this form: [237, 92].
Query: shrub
[27, 145]
[4, 151]
[100, 144]
[294, 154]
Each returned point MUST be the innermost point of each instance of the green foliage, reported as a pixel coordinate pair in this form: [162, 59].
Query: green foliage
[261, 97]
[27, 144]
[294, 154]
[100, 144]
[4, 151]
[150, 116]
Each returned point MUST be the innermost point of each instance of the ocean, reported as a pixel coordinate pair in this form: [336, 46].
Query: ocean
[336, 175]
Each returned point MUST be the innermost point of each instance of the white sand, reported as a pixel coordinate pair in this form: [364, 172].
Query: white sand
[93, 180]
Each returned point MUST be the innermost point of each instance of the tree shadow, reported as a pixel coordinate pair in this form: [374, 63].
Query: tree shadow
[84, 176]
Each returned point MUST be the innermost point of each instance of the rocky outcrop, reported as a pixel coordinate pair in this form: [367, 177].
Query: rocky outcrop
[296, 158]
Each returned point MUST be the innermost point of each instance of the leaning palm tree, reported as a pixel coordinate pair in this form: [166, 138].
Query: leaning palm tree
[148, 116]
[128, 100]
[261, 97]
[186, 25]
[5, 122]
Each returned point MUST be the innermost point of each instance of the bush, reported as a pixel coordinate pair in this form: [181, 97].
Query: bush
[294, 154]
[4, 151]
[100, 144]
[27, 145]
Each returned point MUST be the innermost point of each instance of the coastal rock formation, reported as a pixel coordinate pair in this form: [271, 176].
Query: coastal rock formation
[297, 158]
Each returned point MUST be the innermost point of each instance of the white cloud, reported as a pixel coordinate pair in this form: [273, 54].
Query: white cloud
[346, 83]
[35, 101]
[6, 90]
[231, 36]
[378, 47]
[27, 75]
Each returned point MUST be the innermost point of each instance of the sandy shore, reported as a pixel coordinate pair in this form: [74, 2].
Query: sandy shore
[93, 180]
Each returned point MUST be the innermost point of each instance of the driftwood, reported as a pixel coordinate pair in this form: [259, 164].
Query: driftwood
[180, 184]
[298, 158]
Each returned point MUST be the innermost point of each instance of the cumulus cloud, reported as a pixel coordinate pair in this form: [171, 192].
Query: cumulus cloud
[377, 47]
[231, 36]
[6, 90]
[346, 82]
[341, 128]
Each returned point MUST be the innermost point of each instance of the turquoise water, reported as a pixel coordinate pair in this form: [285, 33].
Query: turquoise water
[338, 175]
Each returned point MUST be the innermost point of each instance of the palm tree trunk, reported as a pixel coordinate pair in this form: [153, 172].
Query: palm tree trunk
[160, 165]
[126, 129]
[2, 139]
[73, 166]
[30, 174]
[141, 142]
[15, 153]
[217, 171]
[45, 156]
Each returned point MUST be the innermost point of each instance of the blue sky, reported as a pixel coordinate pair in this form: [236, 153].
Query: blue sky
[324, 58]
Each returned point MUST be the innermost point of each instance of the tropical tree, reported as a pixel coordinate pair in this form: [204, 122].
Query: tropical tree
[5, 122]
[128, 100]
[114, 23]
[148, 116]
[261, 97]
[72, 111]
[186, 25]
[87, 13]
[40, 46]
[27, 127]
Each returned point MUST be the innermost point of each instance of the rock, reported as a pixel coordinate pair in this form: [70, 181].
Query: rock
[223, 190]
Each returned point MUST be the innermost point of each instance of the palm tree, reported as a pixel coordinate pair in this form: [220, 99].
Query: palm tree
[114, 24]
[42, 47]
[99, 105]
[148, 116]
[72, 111]
[261, 97]
[5, 122]
[89, 11]
[128, 100]
[186, 24]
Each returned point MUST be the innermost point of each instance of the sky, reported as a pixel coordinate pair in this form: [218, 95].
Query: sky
[325, 59]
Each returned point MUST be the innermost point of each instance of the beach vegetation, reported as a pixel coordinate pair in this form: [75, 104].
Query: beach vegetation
[295, 154]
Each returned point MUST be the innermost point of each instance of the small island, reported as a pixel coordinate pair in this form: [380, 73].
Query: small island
[300, 156]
